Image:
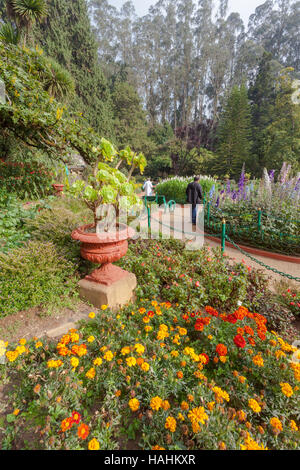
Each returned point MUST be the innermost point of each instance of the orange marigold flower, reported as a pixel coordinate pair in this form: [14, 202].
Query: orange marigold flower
[76, 417]
[83, 431]
[66, 424]
[170, 424]
[94, 445]
[221, 349]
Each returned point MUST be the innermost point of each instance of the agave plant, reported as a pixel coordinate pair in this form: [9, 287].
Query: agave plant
[58, 82]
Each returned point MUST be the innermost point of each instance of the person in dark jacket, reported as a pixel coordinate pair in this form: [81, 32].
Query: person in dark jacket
[194, 196]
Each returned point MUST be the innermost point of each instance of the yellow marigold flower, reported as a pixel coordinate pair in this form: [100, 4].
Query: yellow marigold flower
[125, 350]
[140, 349]
[165, 405]
[146, 319]
[242, 379]
[98, 361]
[180, 417]
[38, 345]
[94, 445]
[92, 315]
[198, 415]
[156, 403]
[254, 405]
[170, 424]
[196, 427]
[279, 354]
[22, 341]
[211, 405]
[223, 359]
[108, 356]
[104, 307]
[148, 328]
[158, 448]
[190, 397]
[174, 353]
[74, 337]
[74, 362]
[272, 342]
[182, 331]
[210, 337]
[296, 368]
[145, 366]
[286, 389]
[20, 349]
[16, 412]
[91, 373]
[251, 444]
[131, 361]
[134, 404]
[142, 310]
[258, 360]
[184, 405]
[276, 424]
[91, 339]
[293, 425]
[220, 394]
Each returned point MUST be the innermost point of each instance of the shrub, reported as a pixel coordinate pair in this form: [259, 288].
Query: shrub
[28, 180]
[175, 188]
[33, 275]
[55, 225]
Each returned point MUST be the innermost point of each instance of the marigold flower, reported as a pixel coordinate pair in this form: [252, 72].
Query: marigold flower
[104, 307]
[221, 350]
[239, 341]
[76, 417]
[180, 417]
[140, 349]
[286, 389]
[145, 366]
[165, 405]
[16, 412]
[170, 424]
[276, 424]
[179, 374]
[293, 425]
[83, 431]
[254, 405]
[241, 415]
[91, 339]
[108, 356]
[91, 373]
[98, 361]
[184, 405]
[66, 424]
[134, 404]
[125, 350]
[251, 444]
[198, 415]
[131, 361]
[156, 403]
[158, 448]
[92, 315]
[94, 445]
[258, 360]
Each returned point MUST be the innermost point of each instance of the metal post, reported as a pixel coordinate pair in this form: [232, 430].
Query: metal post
[208, 213]
[259, 219]
[223, 235]
[149, 217]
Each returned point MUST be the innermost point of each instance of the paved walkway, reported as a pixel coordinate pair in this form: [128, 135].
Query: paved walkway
[233, 254]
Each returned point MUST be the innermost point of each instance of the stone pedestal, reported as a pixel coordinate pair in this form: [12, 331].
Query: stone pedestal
[115, 295]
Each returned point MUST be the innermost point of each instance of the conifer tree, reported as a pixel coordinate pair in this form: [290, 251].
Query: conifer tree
[67, 36]
[234, 134]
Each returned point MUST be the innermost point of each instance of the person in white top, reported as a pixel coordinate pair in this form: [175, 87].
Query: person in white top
[148, 187]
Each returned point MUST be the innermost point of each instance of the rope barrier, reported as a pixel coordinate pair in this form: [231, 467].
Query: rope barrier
[261, 263]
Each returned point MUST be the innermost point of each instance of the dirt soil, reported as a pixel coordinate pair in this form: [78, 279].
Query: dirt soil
[30, 323]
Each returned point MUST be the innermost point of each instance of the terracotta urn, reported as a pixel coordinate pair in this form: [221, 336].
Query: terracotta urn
[104, 248]
[58, 189]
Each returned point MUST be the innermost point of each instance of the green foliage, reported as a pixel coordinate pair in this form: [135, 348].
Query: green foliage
[234, 134]
[27, 180]
[31, 117]
[66, 35]
[130, 118]
[175, 188]
[33, 275]
[9, 34]
[13, 215]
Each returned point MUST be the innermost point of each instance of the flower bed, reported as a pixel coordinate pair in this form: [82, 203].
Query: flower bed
[175, 188]
[160, 375]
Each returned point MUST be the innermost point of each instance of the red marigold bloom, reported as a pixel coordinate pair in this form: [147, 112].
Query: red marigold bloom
[151, 314]
[66, 424]
[249, 330]
[76, 417]
[221, 350]
[239, 341]
[211, 311]
[199, 326]
[83, 431]
[231, 318]
[206, 357]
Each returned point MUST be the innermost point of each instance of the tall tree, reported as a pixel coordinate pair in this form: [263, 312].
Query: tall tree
[234, 133]
[66, 35]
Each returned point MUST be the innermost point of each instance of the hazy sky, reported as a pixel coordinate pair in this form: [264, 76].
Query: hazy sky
[244, 7]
